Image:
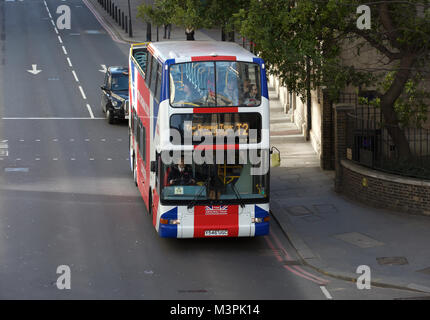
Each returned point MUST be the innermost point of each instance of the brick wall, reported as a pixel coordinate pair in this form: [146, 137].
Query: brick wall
[385, 190]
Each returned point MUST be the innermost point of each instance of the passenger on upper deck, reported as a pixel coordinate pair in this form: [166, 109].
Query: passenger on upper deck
[253, 98]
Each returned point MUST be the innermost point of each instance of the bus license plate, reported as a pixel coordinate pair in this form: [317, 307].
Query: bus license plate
[209, 233]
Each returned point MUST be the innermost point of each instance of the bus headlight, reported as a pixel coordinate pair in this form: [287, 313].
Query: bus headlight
[260, 220]
[167, 221]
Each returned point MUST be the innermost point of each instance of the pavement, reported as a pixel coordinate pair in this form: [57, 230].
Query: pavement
[331, 234]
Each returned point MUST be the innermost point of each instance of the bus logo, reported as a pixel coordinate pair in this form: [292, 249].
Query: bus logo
[216, 210]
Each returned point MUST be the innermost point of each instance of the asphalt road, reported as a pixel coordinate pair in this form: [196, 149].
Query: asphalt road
[67, 196]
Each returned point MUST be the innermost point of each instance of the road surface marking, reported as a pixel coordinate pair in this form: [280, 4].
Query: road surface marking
[16, 169]
[34, 69]
[69, 62]
[52, 118]
[59, 38]
[56, 30]
[64, 50]
[83, 93]
[326, 293]
[90, 111]
[103, 69]
[74, 74]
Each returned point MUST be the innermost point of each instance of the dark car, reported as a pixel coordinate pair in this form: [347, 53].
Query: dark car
[115, 94]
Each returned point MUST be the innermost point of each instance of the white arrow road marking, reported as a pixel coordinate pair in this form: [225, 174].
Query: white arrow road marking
[104, 69]
[34, 69]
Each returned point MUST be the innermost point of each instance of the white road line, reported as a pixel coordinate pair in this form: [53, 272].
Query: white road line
[59, 38]
[83, 93]
[56, 30]
[52, 118]
[326, 293]
[74, 74]
[64, 50]
[52, 22]
[69, 62]
[90, 111]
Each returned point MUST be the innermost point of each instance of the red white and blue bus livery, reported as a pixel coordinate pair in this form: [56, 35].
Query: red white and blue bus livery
[199, 138]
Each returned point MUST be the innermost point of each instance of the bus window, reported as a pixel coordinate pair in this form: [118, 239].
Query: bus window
[157, 92]
[154, 71]
[149, 70]
[215, 84]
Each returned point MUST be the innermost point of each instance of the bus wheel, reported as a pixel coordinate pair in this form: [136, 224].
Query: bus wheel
[134, 171]
[150, 203]
[109, 116]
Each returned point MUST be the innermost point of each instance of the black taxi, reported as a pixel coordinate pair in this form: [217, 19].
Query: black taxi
[114, 101]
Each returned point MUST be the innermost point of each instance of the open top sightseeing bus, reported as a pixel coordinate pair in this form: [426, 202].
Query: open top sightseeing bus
[199, 138]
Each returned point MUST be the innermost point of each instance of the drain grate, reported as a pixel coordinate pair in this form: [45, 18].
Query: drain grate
[292, 263]
[359, 240]
[392, 261]
[325, 208]
[426, 271]
[299, 211]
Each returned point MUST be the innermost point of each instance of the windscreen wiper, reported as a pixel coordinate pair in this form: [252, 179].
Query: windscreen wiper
[242, 204]
[193, 202]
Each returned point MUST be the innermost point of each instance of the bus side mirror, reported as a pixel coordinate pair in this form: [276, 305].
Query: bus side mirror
[275, 157]
[154, 166]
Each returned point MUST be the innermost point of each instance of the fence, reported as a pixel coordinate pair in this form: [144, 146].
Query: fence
[369, 142]
[123, 20]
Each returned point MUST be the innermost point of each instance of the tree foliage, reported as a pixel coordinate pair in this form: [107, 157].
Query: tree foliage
[302, 42]
[291, 33]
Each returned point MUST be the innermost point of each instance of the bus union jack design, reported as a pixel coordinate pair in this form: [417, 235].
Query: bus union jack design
[211, 84]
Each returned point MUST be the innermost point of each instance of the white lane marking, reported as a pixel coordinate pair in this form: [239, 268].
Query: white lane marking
[90, 111]
[59, 38]
[54, 159]
[52, 22]
[64, 50]
[37, 140]
[16, 169]
[52, 118]
[37, 159]
[83, 93]
[56, 30]
[72, 159]
[91, 159]
[54, 139]
[75, 34]
[69, 62]
[74, 74]
[326, 293]
[109, 159]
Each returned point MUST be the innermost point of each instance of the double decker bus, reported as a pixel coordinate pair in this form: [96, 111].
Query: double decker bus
[199, 138]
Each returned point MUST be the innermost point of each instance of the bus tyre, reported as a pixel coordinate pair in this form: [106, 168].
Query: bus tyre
[134, 171]
[109, 116]
[150, 203]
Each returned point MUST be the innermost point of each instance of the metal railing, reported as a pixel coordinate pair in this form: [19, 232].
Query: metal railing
[370, 143]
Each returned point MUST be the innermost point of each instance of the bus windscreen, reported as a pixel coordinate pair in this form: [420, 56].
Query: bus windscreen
[215, 84]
